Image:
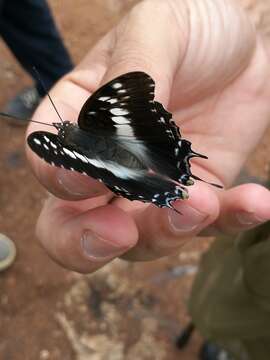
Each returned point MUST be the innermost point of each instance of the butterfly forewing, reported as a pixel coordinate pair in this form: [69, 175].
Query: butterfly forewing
[49, 147]
[118, 102]
[125, 108]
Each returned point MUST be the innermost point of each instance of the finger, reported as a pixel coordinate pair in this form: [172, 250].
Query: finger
[209, 65]
[145, 46]
[242, 208]
[164, 231]
[84, 241]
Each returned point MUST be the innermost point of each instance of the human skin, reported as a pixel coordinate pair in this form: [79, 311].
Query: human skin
[212, 72]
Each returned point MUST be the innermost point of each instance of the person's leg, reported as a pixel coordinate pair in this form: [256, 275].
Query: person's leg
[28, 28]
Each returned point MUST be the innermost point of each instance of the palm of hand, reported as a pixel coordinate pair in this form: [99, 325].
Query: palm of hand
[219, 97]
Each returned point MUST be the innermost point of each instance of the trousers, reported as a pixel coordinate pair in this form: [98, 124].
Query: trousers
[29, 30]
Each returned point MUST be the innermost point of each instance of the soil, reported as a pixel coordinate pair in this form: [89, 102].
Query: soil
[47, 312]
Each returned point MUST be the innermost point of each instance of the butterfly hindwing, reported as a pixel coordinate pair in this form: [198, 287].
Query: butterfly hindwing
[150, 188]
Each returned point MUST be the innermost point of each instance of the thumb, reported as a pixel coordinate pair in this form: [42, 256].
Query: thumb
[145, 40]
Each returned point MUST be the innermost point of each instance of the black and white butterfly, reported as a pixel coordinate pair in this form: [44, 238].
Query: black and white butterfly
[126, 140]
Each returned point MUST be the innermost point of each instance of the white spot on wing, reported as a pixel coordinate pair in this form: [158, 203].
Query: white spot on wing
[46, 146]
[112, 101]
[69, 153]
[124, 130]
[104, 98]
[79, 156]
[117, 85]
[119, 111]
[36, 141]
[162, 120]
[53, 145]
[120, 120]
[46, 139]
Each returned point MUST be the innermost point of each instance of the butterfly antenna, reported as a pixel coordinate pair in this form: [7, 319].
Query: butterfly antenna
[174, 209]
[21, 119]
[46, 92]
[195, 154]
[210, 183]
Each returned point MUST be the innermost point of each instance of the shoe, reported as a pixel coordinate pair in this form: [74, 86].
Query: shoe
[23, 105]
[7, 252]
[211, 351]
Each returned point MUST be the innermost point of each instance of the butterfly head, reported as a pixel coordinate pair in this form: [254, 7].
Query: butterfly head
[62, 128]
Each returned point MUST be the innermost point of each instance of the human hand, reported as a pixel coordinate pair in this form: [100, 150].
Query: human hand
[212, 72]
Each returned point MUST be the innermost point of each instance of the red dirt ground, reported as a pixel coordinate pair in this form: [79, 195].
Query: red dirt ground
[50, 313]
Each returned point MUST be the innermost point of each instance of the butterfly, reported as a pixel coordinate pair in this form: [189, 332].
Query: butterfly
[126, 140]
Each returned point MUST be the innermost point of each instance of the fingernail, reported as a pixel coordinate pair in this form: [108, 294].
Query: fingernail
[77, 184]
[249, 218]
[188, 220]
[96, 248]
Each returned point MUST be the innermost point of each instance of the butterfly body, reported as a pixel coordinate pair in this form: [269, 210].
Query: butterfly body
[126, 140]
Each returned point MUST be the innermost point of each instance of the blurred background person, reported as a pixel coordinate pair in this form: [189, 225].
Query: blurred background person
[29, 30]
